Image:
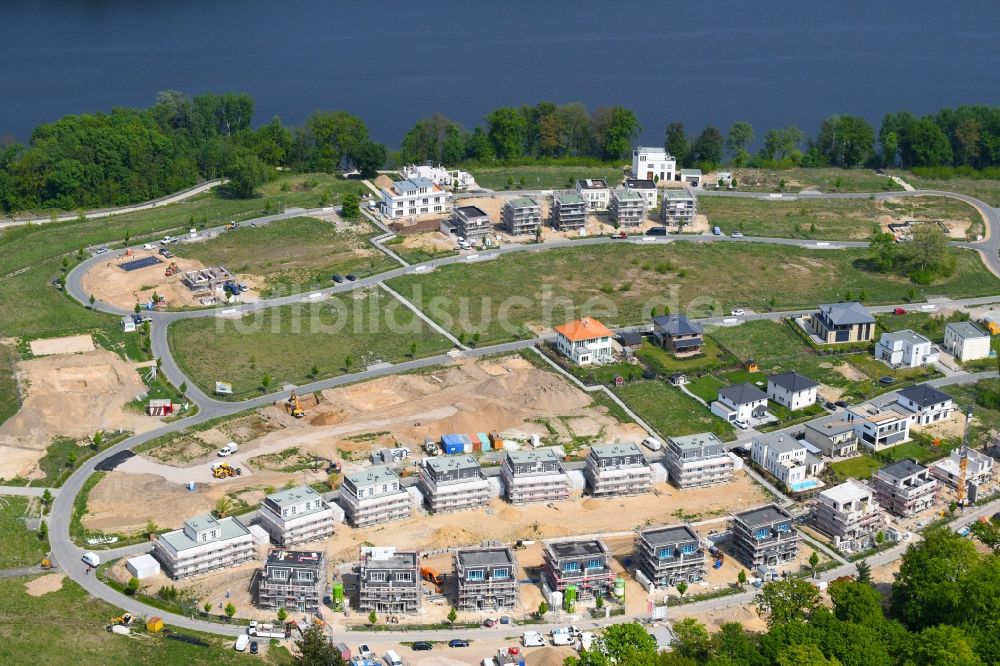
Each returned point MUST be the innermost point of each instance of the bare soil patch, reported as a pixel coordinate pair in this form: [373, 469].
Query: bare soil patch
[111, 284]
[72, 344]
[850, 373]
[42, 585]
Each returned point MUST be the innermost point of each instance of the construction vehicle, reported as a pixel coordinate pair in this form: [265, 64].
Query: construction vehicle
[293, 407]
[225, 470]
[172, 269]
[431, 575]
[124, 620]
[47, 563]
[963, 463]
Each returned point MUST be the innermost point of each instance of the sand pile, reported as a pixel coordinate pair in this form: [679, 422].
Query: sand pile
[592, 504]
[449, 537]
[327, 418]
[509, 514]
[36, 587]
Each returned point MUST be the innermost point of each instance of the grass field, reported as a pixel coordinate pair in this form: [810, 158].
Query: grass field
[826, 180]
[859, 467]
[706, 387]
[983, 189]
[293, 255]
[664, 363]
[19, 547]
[10, 401]
[67, 627]
[925, 323]
[543, 177]
[287, 343]
[836, 219]
[501, 299]
[670, 412]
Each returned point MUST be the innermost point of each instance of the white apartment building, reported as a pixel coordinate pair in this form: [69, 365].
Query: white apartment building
[204, 544]
[879, 426]
[595, 192]
[647, 188]
[698, 460]
[787, 460]
[966, 341]
[791, 390]
[536, 475]
[651, 163]
[905, 349]
[374, 496]
[848, 511]
[453, 483]
[628, 207]
[412, 197]
[617, 469]
[297, 515]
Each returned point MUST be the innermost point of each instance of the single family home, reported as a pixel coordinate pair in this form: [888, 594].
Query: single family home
[838, 323]
[742, 404]
[678, 335]
[966, 341]
[653, 163]
[595, 192]
[928, 404]
[791, 390]
[585, 341]
[787, 460]
[905, 349]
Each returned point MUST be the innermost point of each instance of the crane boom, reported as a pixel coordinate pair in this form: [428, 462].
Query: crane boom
[963, 462]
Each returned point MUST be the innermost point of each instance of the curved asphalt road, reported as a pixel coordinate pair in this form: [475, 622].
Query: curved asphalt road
[68, 555]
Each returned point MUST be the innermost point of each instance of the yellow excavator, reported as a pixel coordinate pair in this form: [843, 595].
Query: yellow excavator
[294, 408]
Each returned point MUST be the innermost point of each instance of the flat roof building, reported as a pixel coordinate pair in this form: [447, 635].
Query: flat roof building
[627, 207]
[680, 208]
[293, 580]
[471, 221]
[647, 188]
[374, 495]
[966, 341]
[904, 487]
[204, 544]
[848, 512]
[698, 460]
[389, 581]
[296, 515]
[614, 470]
[668, 555]
[453, 483]
[569, 211]
[585, 563]
[535, 475]
[764, 537]
[653, 163]
[595, 192]
[521, 216]
[486, 578]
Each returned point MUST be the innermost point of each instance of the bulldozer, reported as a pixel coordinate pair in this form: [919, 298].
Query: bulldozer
[293, 406]
[225, 470]
[172, 269]
[124, 620]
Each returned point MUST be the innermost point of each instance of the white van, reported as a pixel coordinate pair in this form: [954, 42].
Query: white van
[532, 639]
[562, 638]
[92, 559]
[242, 641]
[392, 659]
[652, 444]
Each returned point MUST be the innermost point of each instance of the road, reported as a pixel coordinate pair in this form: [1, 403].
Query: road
[68, 555]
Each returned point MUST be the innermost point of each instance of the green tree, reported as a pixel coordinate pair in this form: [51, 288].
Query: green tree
[927, 591]
[943, 645]
[741, 577]
[682, 587]
[315, 649]
[452, 615]
[988, 532]
[924, 144]
[265, 382]
[98, 439]
[693, 641]
[856, 602]
[151, 529]
[207, 607]
[246, 173]
[883, 251]
[543, 608]
[805, 655]
[627, 644]
[890, 149]
[675, 143]
[282, 614]
[620, 133]
[372, 617]
[599, 602]
[927, 255]
[507, 131]
[43, 530]
[333, 138]
[92, 300]
[782, 143]
[223, 506]
[707, 148]
[71, 460]
[846, 141]
[369, 157]
[814, 562]
[739, 137]
[785, 601]
[229, 610]
[413, 350]
[132, 586]
[127, 237]
[350, 206]
[183, 388]
[348, 362]
[864, 574]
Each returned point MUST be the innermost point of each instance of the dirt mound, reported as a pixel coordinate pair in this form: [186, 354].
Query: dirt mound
[36, 587]
[327, 418]
[449, 537]
[591, 504]
[549, 656]
[509, 514]
[381, 393]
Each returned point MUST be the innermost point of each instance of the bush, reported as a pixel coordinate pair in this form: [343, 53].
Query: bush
[989, 399]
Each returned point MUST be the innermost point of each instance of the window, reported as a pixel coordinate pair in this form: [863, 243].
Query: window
[762, 533]
[404, 577]
[377, 576]
[501, 573]
[689, 548]
[305, 576]
[476, 574]
[595, 563]
[571, 567]
[279, 574]
[665, 553]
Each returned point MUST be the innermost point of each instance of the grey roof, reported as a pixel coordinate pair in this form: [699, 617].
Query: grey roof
[592, 184]
[651, 149]
[906, 335]
[622, 194]
[532, 455]
[792, 381]
[847, 491]
[781, 443]
[639, 184]
[296, 557]
[366, 477]
[690, 172]
[577, 547]
[924, 395]
[615, 450]
[231, 528]
[742, 394]
[485, 557]
[522, 202]
[834, 424]
[764, 515]
[902, 469]
[199, 523]
[420, 181]
[696, 441]
[677, 324]
[966, 330]
[566, 198]
[678, 195]
[664, 536]
[845, 314]
[398, 560]
[448, 463]
[293, 496]
[471, 211]
[405, 186]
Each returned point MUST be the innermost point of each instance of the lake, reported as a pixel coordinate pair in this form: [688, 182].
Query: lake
[392, 62]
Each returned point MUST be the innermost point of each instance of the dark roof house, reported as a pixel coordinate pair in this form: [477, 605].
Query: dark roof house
[742, 394]
[792, 381]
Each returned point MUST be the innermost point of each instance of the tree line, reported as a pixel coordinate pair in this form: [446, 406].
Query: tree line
[130, 155]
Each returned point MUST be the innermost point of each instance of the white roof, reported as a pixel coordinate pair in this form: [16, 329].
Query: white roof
[143, 561]
[847, 492]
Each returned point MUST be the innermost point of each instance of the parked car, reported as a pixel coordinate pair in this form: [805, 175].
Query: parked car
[338, 278]
[167, 240]
[241, 643]
[737, 234]
[620, 235]
[489, 622]
[458, 642]
[364, 651]
[100, 250]
[656, 231]
[148, 246]
[422, 645]
[532, 639]
[740, 423]
[899, 311]
[841, 403]
[832, 407]
[652, 444]
[505, 619]
[351, 277]
[717, 231]
[228, 450]
[737, 312]
[254, 648]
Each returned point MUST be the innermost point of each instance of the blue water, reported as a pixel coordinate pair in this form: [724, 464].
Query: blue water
[773, 64]
[804, 485]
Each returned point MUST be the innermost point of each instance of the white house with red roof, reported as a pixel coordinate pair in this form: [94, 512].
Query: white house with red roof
[585, 341]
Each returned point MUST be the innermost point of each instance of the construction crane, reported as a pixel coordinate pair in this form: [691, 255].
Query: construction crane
[963, 462]
[294, 408]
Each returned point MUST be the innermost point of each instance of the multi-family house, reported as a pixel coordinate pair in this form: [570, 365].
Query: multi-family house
[791, 390]
[374, 495]
[471, 221]
[204, 544]
[879, 424]
[647, 188]
[582, 562]
[764, 537]
[787, 460]
[833, 435]
[678, 335]
[297, 515]
[653, 163]
[904, 487]
[627, 207]
[668, 555]
[535, 475]
[486, 578]
[680, 208]
[389, 581]
[453, 483]
[741, 403]
[848, 511]
[521, 216]
[698, 460]
[978, 468]
[966, 341]
[412, 197]
[617, 469]
[905, 349]
[569, 211]
[837, 323]
[595, 192]
[293, 580]
[928, 404]
[585, 341]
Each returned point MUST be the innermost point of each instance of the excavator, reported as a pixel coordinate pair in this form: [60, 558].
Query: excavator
[225, 470]
[293, 406]
[963, 463]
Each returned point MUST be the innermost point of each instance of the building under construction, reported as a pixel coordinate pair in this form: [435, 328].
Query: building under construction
[486, 578]
[206, 280]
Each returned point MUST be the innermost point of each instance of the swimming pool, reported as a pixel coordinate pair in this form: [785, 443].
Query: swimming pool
[804, 485]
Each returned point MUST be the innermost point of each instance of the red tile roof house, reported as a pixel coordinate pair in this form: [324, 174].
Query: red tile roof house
[585, 341]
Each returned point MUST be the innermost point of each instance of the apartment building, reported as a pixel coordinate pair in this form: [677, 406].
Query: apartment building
[879, 424]
[471, 222]
[204, 544]
[833, 435]
[296, 515]
[966, 341]
[627, 207]
[584, 563]
[453, 483]
[647, 188]
[374, 495]
[486, 579]
[698, 460]
[764, 537]
[904, 488]
[614, 470]
[653, 163]
[669, 555]
[293, 580]
[536, 475]
[928, 404]
[787, 460]
[838, 323]
[569, 211]
[848, 511]
[412, 197]
[978, 468]
[389, 581]
[905, 349]
[680, 208]
[521, 216]
[791, 390]
[595, 192]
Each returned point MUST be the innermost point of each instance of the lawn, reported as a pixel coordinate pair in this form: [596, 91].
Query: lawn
[931, 208]
[665, 363]
[293, 255]
[67, 627]
[417, 255]
[927, 324]
[706, 387]
[836, 219]
[859, 467]
[507, 297]
[984, 189]
[19, 547]
[10, 399]
[538, 177]
[331, 337]
[825, 179]
[670, 412]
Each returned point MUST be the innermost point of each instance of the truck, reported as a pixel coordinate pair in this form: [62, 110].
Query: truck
[265, 630]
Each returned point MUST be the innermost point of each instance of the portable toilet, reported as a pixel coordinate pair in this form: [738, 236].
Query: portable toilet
[337, 594]
[569, 598]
